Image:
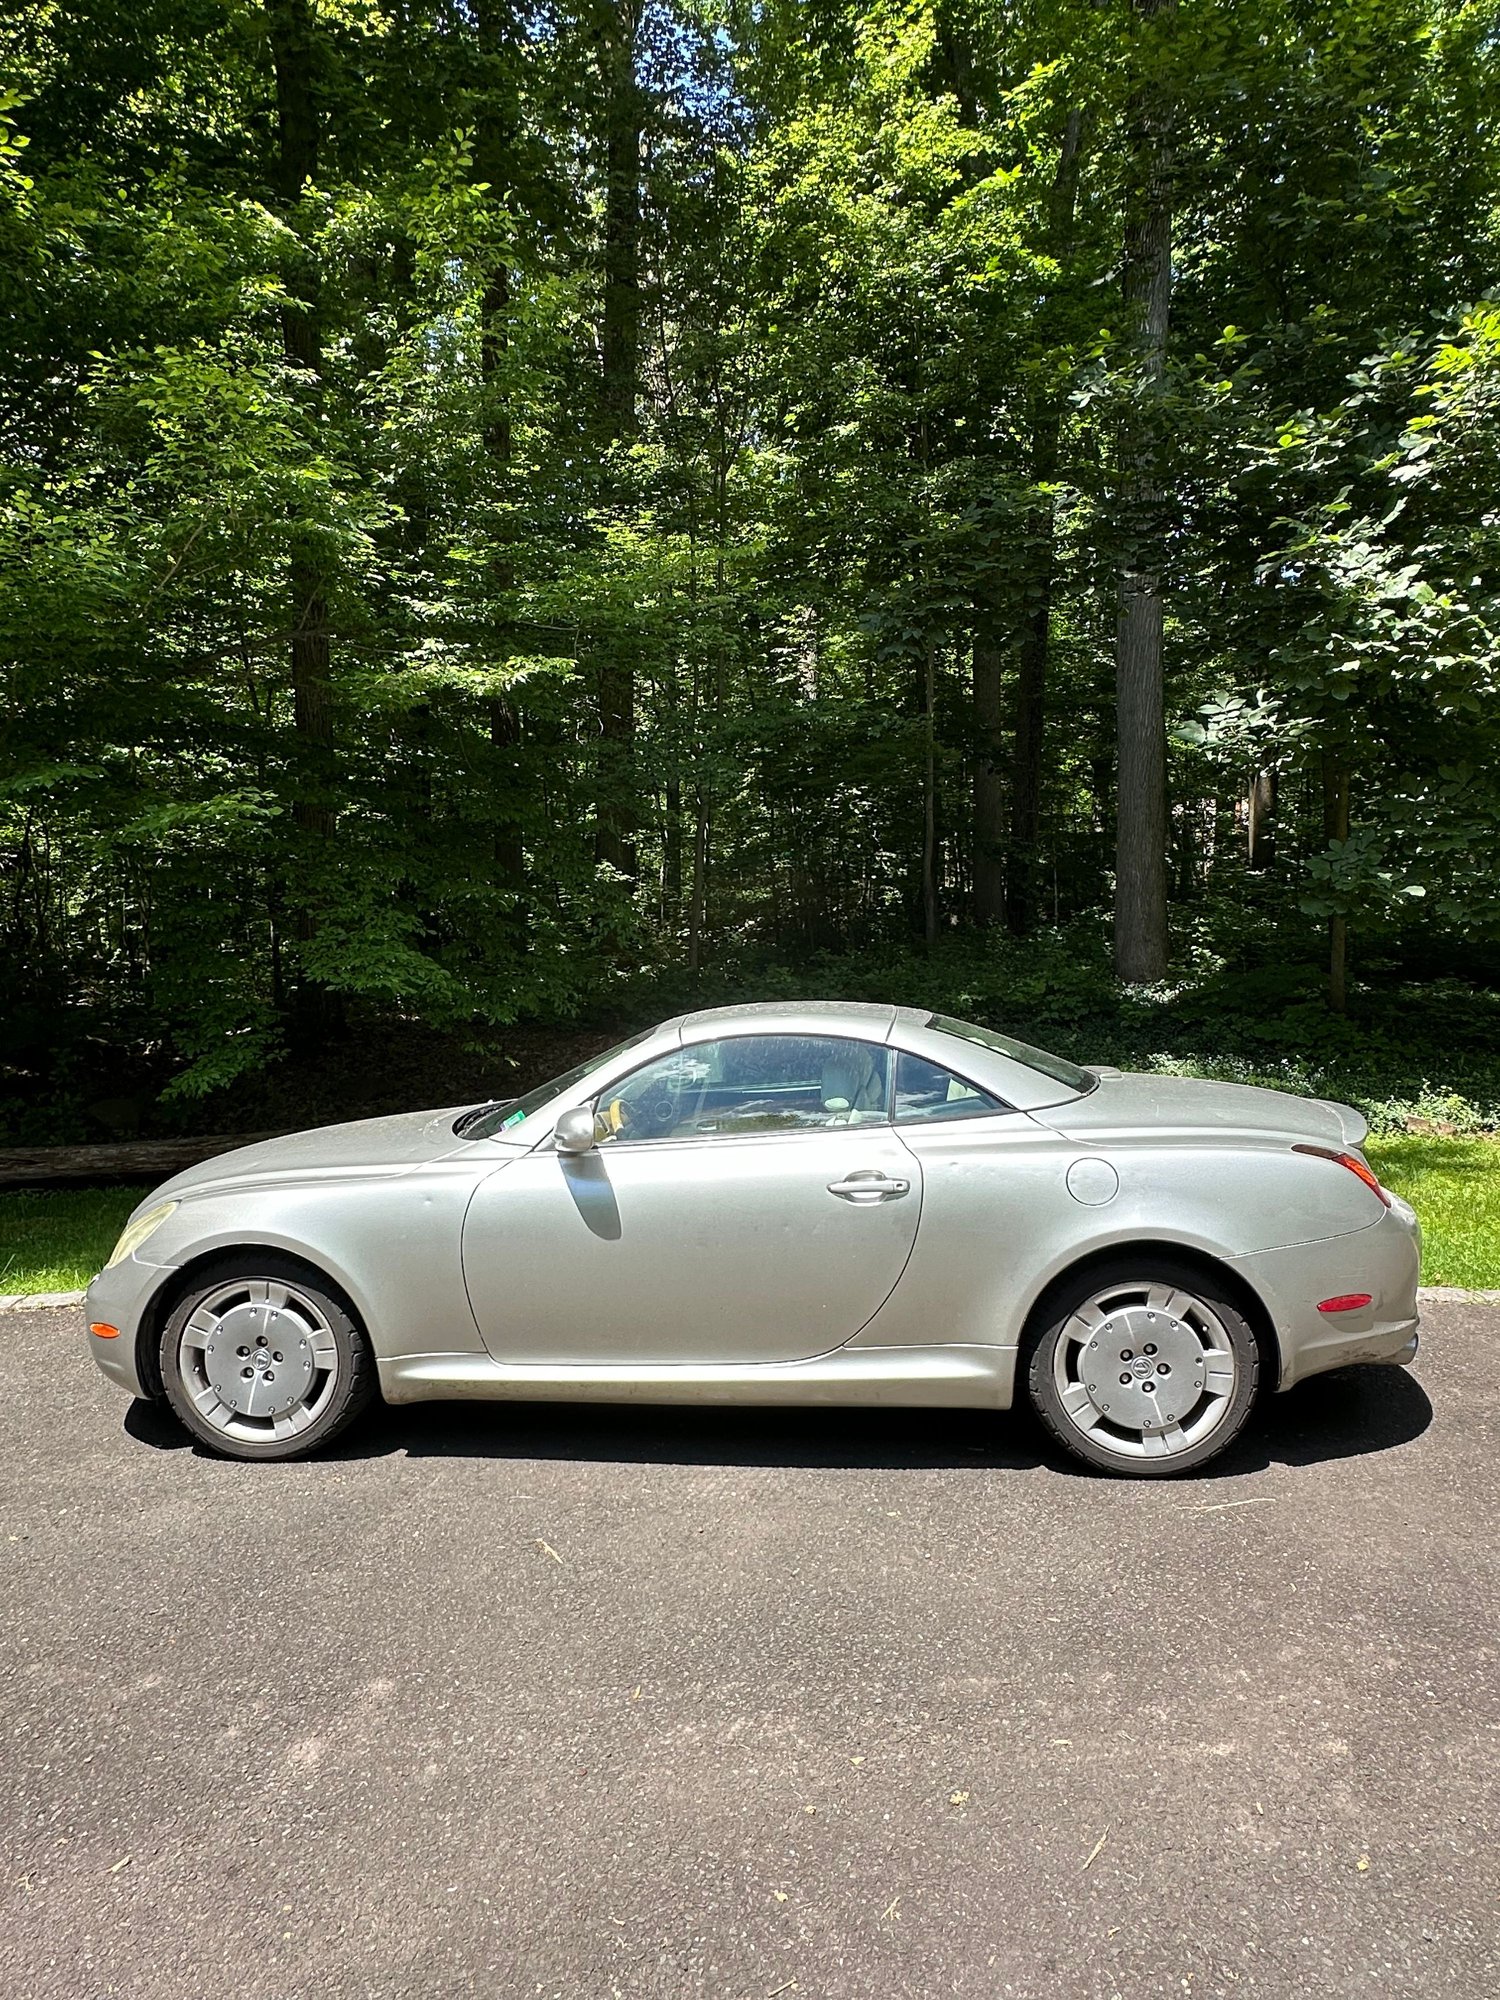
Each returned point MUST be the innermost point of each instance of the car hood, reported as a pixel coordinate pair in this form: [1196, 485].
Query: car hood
[1129, 1106]
[367, 1145]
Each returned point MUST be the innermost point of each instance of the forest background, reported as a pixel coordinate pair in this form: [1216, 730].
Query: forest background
[516, 520]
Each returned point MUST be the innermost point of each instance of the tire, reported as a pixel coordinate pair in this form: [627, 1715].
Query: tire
[263, 1359]
[1112, 1331]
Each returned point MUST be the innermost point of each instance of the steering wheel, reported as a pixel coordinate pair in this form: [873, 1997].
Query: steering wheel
[654, 1113]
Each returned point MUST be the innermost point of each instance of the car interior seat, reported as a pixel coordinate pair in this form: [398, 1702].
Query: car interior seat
[853, 1086]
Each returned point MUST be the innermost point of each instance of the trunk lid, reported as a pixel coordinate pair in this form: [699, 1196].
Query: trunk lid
[1130, 1104]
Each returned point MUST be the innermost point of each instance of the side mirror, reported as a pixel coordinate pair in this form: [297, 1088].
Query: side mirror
[574, 1131]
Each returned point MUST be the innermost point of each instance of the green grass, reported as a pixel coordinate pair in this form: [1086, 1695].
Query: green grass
[1454, 1185]
[56, 1242]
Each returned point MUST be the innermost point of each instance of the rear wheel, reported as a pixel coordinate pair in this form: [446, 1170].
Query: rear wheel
[1144, 1368]
[261, 1360]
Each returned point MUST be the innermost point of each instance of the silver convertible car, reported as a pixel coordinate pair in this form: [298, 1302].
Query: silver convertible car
[832, 1204]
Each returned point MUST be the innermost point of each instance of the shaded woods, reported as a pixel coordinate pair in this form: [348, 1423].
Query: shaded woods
[532, 514]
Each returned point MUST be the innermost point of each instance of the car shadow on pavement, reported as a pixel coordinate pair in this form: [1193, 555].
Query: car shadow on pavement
[1350, 1414]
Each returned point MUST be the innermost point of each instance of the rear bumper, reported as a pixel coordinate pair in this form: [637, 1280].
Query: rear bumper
[1383, 1260]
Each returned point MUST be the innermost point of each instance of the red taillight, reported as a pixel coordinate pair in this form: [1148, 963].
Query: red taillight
[1346, 1302]
[1353, 1162]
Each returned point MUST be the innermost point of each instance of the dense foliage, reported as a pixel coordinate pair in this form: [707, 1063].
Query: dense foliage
[527, 512]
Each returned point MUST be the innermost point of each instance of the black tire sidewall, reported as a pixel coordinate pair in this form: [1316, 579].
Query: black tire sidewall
[1060, 1307]
[356, 1372]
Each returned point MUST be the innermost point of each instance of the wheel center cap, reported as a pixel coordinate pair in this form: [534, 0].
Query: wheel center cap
[1144, 1368]
[258, 1361]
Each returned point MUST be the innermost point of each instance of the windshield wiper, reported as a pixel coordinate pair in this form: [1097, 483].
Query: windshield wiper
[465, 1119]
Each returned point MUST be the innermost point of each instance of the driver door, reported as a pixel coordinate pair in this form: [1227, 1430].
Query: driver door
[747, 1200]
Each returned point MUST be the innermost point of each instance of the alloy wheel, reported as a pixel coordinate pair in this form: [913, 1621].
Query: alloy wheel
[1144, 1370]
[258, 1360]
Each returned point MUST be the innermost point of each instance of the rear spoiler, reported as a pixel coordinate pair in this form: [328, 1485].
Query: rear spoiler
[1356, 1126]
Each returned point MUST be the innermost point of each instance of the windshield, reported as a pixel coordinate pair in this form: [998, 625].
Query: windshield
[516, 1110]
[1022, 1052]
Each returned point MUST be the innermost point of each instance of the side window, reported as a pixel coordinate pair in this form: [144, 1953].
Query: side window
[924, 1090]
[748, 1084]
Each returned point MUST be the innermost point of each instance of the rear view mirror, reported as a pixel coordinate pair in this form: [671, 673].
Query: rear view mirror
[574, 1130]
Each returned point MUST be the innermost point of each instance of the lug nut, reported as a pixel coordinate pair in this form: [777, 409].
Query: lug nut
[1124, 1381]
[1150, 1347]
[1125, 1354]
[248, 1373]
[1161, 1368]
[239, 1350]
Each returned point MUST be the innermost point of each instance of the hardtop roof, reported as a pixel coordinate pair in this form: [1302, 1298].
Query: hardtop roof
[871, 1013]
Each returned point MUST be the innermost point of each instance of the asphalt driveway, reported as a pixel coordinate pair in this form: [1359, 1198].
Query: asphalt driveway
[548, 1702]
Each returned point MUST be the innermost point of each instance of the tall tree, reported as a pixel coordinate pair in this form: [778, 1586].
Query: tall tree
[1039, 570]
[295, 56]
[619, 384]
[1140, 703]
[495, 145]
[988, 681]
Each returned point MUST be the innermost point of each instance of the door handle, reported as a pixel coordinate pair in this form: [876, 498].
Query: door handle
[869, 1188]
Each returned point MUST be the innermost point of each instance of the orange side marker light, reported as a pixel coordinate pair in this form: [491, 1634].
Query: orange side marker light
[103, 1329]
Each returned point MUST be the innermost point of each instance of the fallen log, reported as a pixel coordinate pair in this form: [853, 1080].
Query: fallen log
[126, 1160]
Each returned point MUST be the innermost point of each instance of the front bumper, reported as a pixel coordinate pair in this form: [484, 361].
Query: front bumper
[120, 1296]
[1383, 1260]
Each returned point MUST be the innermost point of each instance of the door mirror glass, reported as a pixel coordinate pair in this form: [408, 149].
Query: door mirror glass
[574, 1130]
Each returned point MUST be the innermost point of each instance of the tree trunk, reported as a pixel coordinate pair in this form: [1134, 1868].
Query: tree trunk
[1146, 286]
[620, 341]
[1336, 828]
[127, 1160]
[621, 331]
[293, 56]
[494, 140]
[698, 896]
[929, 798]
[1261, 819]
[989, 787]
[1023, 881]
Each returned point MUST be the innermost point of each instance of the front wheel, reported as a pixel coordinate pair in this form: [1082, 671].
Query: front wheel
[1145, 1368]
[260, 1360]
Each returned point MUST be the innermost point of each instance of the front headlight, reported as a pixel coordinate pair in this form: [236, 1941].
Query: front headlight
[138, 1229]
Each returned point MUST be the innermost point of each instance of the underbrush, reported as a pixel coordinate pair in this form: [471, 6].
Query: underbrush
[1413, 1056]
